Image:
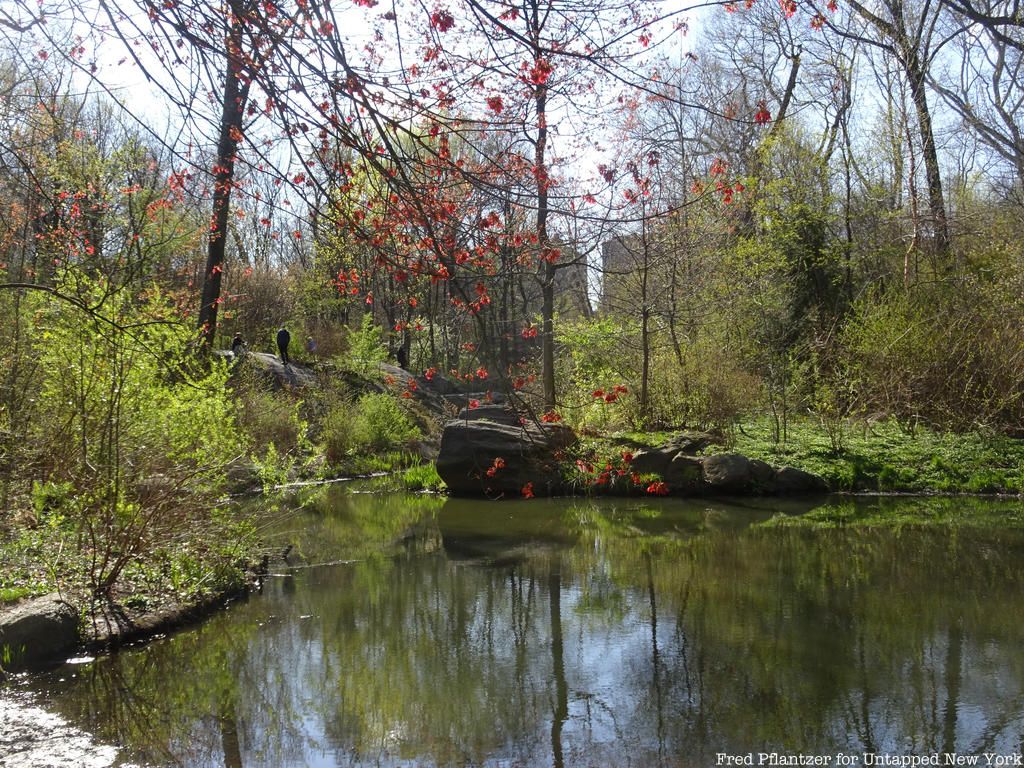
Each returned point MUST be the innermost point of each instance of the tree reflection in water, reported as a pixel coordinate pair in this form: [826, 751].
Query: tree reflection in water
[672, 631]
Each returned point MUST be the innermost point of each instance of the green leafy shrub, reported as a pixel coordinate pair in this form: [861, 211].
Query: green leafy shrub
[381, 424]
[132, 435]
[375, 423]
[336, 432]
[947, 355]
[366, 349]
[270, 419]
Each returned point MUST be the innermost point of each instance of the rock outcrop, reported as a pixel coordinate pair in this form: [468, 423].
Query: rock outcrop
[480, 457]
[36, 631]
[723, 473]
[491, 451]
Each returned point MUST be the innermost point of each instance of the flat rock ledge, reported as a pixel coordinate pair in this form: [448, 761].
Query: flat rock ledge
[47, 630]
[489, 452]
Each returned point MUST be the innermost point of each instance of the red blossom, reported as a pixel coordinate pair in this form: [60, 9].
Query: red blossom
[429, 374]
[627, 457]
[474, 404]
[540, 72]
[527, 491]
[657, 489]
[495, 104]
[442, 20]
[551, 417]
[763, 116]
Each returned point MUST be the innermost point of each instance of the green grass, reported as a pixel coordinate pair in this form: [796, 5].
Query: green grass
[883, 458]
[422, 477]
[13, 594]
[887, 459]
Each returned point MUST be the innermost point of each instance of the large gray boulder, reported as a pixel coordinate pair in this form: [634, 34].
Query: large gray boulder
[499, 414]
[789, 480]
[727, 472]
[692, 443]
[485, 458]
[686, 474]
[36, 631]
[653, 460]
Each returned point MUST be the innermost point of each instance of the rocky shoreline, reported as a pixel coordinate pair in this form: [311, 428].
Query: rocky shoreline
[492, 452]
[48, 629]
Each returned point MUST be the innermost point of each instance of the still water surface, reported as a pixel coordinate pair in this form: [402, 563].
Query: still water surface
[423, 631]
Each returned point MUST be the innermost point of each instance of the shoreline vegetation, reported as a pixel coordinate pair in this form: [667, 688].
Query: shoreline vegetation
[627, 240]
[155, 591]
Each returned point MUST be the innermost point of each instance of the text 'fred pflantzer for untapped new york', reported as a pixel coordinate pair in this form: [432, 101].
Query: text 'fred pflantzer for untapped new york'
[869, 760]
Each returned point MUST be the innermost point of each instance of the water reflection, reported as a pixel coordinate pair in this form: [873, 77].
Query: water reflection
[582, 633]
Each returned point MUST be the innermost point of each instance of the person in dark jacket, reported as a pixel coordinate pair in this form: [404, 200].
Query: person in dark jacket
[237, 345]
[283, 337]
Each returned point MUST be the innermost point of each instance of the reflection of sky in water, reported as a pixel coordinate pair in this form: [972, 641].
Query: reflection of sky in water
[759, 639]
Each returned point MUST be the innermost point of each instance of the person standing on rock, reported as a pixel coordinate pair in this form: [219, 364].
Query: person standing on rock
[283, 337]
[237, 345]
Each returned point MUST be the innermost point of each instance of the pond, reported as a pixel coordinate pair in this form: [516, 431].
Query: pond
[414, 630]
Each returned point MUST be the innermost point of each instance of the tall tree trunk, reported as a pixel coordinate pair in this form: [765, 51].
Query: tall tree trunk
[936, 200]
[905, 49]
[236, 95]
[540, 171]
